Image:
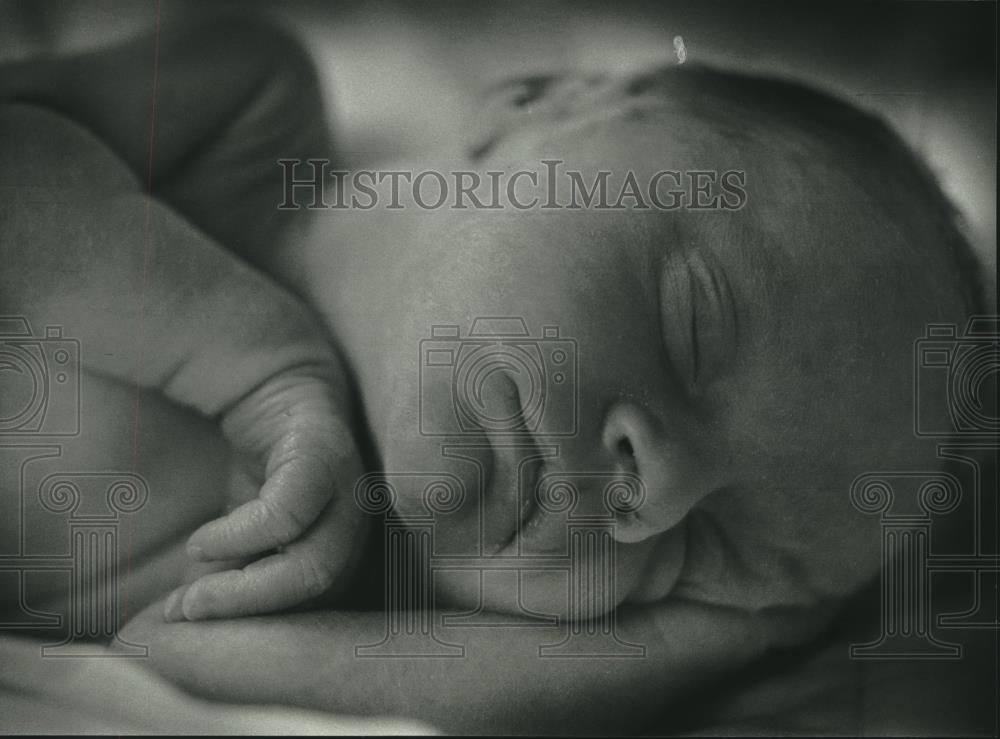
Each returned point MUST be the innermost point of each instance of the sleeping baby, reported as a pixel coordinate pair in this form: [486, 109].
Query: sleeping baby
[739, 366]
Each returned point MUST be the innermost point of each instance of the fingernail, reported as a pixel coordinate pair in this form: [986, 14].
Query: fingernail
[172, 610]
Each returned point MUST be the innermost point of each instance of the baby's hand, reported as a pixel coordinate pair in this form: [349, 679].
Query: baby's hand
[295, 464]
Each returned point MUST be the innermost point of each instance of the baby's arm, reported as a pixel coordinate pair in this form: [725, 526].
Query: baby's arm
[156, 302]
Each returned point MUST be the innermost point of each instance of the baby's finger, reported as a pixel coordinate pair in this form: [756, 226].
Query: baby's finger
[290, 500]
[306, 569]
[197, 570]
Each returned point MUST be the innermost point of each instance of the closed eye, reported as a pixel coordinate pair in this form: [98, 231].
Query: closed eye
[699, 319]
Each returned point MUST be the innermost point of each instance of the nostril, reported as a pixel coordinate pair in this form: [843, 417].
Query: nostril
[625, 447]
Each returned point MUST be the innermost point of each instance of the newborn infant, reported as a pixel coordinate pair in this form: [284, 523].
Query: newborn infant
[743, 363]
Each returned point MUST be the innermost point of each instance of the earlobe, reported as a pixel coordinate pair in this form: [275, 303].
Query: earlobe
[672, 483]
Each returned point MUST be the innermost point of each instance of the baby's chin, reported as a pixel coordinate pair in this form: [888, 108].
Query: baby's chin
[595, 584]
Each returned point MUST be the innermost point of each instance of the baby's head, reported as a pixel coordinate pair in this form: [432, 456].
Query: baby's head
[746, 361]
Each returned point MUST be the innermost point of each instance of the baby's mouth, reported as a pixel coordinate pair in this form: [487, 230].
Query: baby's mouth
[511, 489]
[536, 530]
[529, 474]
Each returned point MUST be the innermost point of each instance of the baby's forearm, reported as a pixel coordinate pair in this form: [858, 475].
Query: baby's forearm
[501, 684]
[151, 299]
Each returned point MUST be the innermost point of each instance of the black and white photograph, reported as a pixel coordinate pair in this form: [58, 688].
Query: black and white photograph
[499, 368]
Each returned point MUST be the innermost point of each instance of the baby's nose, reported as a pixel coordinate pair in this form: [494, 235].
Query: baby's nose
[636, 442]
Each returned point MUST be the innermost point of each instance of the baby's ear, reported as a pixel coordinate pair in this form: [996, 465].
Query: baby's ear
[672, 479]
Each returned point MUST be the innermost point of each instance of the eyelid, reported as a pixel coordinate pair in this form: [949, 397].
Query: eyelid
[699, 319]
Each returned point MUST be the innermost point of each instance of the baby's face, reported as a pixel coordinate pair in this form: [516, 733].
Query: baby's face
[713, 358]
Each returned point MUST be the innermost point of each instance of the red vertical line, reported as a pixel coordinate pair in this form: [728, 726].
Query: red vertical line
[147, 249]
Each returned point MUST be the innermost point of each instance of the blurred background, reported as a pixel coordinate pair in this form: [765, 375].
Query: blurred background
[402, 76]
